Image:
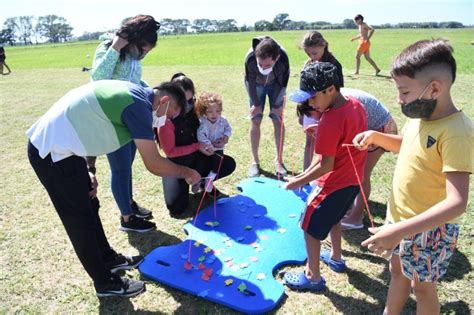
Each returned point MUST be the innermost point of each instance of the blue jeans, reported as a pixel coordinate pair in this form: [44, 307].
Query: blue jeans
[120, 162]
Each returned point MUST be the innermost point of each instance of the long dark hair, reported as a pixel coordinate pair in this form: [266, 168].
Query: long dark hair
[139, 31]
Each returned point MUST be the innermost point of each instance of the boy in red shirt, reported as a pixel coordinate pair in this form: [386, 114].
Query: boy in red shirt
[335, 182]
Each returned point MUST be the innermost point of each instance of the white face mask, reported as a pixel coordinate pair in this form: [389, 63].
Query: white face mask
[264, 71]
[159, 121]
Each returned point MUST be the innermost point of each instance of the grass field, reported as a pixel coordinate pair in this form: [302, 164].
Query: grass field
[40, 272]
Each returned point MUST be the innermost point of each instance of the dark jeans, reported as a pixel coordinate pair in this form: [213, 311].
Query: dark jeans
[68, 184]
[216, 160]
[176, 190]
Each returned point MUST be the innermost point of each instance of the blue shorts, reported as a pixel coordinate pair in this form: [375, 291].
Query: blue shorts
[326, 210]
[262, 92]
[425, 256]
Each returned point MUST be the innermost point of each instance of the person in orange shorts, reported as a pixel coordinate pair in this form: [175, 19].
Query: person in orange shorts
[365, 32]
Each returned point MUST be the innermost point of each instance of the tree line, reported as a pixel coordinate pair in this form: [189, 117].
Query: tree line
[56, 29]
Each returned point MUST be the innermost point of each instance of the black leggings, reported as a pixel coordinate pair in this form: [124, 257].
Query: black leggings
[176, 190]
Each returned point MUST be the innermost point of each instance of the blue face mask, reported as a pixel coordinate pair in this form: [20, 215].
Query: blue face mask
[420, 108]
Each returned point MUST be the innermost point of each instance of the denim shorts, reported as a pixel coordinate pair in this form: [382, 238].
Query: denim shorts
[425, 256]
[267, 90]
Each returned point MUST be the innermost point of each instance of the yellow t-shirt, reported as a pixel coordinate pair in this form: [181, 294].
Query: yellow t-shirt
[429, 149]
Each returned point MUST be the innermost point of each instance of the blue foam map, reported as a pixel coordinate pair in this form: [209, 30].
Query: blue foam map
[234, 246]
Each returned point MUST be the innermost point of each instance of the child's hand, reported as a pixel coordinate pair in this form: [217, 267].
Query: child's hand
[362, 140]
[384, 240]
[311, 129]
[206, 149]
[292, 183]
[220, 143]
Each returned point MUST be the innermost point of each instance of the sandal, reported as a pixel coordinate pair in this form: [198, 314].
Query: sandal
[335, 265]
[299, 281]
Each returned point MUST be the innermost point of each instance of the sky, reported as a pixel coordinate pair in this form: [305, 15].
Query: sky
[102, 15]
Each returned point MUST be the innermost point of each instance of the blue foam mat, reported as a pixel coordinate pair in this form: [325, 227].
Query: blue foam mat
[238, 246]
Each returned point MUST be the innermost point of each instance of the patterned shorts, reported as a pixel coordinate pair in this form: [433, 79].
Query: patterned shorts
[425, 257]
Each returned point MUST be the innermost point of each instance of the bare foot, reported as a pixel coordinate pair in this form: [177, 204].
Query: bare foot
[356, 73]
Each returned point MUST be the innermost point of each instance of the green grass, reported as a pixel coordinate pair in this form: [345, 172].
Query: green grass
[40, 272]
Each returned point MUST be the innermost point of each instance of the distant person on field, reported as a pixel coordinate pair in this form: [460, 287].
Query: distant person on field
[365, 33]
[3, 57]
[431, 180]
[317, 49]
[267, 71]
[333, 176]
[92, 120]
[214, 131]
[120, 59]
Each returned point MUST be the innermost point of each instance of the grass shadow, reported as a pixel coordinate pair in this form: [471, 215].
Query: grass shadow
[456, 307]
[110, 305]
[146, 242]
[194, 201]
[458, 267]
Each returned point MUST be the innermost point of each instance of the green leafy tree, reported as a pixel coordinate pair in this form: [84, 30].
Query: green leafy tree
[281, 21]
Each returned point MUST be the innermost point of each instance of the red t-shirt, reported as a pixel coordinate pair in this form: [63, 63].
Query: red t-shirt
[336, 127]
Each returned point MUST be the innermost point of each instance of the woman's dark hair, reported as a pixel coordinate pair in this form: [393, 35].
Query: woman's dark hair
[359, 17]
[139, 31]
[174, 91]
[185, 82]
[304, 109]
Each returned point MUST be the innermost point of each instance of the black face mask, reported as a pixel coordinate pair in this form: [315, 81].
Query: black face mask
[420, 108]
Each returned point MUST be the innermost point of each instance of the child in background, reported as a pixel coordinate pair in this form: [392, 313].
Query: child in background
[365, 33]
[214, 131]
[335, 179]
[317, 49]
[431, 180]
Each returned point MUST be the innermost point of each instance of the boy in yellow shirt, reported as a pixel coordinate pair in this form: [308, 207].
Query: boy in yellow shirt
[431, 179]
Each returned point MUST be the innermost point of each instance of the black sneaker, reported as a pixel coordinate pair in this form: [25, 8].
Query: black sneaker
[139, 211]
[120, 286]
[121, 262]
[136, 224]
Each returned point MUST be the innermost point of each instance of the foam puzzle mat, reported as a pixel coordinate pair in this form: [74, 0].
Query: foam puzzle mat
[234, 246]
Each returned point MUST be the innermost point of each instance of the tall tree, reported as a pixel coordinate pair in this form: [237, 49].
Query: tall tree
[263, 25]
[11, 24]
[7, 36]
[281, 21]
[54, 28]
[25, 29]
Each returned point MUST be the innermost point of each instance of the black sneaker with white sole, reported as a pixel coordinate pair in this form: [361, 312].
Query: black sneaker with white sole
[120, 286]
[139, 211]
[136, 224]
[122, 262]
